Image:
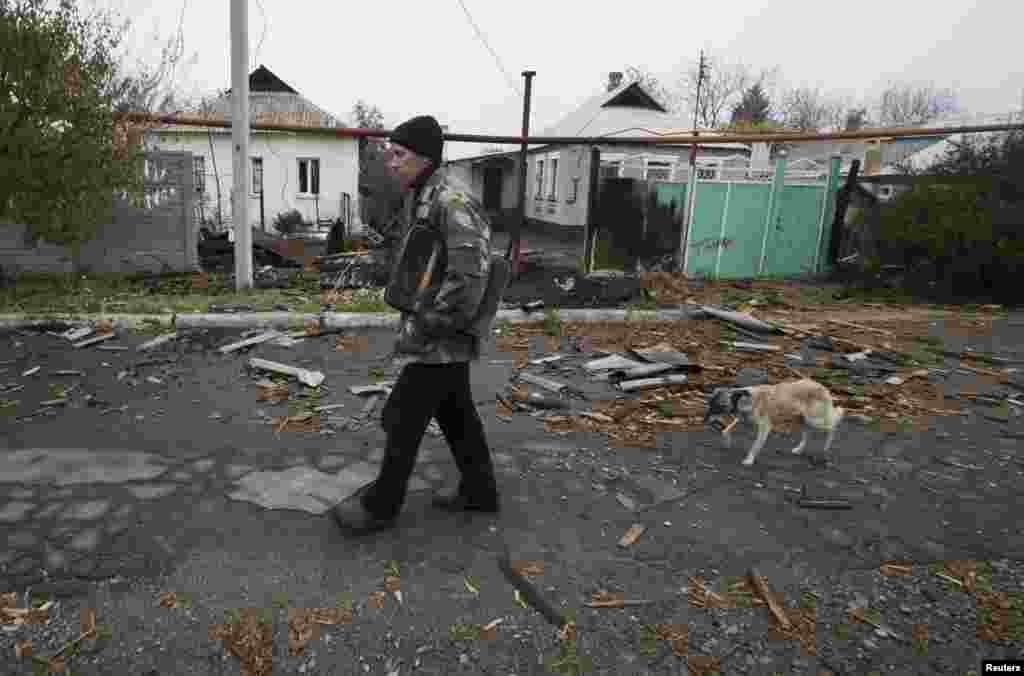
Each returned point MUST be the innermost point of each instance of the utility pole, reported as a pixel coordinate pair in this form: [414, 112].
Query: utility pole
[692, 182]
[515, 243]
[240, 142]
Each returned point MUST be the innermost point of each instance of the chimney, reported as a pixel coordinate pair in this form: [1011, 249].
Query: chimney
[614, 80]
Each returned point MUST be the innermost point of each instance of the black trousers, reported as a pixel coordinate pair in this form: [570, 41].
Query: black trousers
[423, 392]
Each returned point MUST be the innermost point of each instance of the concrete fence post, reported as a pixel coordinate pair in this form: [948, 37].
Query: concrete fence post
[778, 182]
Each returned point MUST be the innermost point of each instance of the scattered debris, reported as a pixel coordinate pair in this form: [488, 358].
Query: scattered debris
[158, 341]
[67, 373]
[632, 385]
[306, 377]
[632, 535]
[742, 319]
[612, 363]
[383, 387]
[759, 584]
[75, 335]
[626, 501]
[550, 385]
[249, 342]
[751, 347]
[31, 372]
[94, 340]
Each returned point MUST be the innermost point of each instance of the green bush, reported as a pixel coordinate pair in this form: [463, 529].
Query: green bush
[967, 230]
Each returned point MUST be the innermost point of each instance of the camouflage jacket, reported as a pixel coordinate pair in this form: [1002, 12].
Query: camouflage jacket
[436, 336]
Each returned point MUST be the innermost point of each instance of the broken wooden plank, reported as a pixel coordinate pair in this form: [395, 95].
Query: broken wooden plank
[247, 342]
[632, 535]
[158, 341]
[600, 417]
[96, 339]
[631, 385]
[305, 376]
[113, 348]
[547, 384]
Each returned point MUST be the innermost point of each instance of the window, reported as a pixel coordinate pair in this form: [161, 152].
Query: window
[256, 182]
[658, 171]
[553, 189]
[199, 173]
[309, 176]
[574, 190]
[540, 179]
[610, 169]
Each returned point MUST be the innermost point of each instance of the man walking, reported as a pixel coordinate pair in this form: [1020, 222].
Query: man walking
[436, 341]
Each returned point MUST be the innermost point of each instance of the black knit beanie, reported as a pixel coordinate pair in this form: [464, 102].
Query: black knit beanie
[422, 135]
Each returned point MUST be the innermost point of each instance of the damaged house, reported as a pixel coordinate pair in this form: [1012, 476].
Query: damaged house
[558, 177]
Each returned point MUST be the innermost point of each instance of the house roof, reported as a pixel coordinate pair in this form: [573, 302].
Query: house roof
[271, 101]
[627, 108]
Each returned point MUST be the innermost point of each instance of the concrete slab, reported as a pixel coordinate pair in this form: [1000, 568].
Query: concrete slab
[302, 488]
[72, 466]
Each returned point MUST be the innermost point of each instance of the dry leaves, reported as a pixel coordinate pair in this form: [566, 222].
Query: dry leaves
[966, 572]
[22, 649]
[375, 600]
[352, 343]
[392, 583]
[677, 635]
[802, 629]
[531, 568]
[271, 391]
[567, 632]
[305, 422]
[995, 607]
[302, 628]
[703, 665]
[103, 327]
[489, 631]
[249, 640]
[200, 281]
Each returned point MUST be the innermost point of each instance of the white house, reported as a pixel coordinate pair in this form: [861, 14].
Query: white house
[316, 174]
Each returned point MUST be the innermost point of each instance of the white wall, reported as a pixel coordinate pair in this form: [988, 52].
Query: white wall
[280, 151]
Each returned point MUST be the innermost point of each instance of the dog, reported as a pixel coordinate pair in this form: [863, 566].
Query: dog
[765, 405]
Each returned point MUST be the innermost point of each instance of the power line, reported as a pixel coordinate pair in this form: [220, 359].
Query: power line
[497, 59]
[263, 35]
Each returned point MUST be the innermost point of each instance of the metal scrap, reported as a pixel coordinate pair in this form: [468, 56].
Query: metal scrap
[547, 384]
[96, 339]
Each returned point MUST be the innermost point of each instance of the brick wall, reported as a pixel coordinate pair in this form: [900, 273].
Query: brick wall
[161, 235]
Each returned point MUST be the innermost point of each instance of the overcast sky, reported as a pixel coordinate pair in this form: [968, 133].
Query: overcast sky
[409, 57]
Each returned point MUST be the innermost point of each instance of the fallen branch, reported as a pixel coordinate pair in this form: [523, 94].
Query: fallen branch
[762, 588]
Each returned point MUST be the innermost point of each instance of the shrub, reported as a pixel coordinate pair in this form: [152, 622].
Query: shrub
[288, 222]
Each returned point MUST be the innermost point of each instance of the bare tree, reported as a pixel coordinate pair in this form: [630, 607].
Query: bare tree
[722, 88]
[807, 109]
[903, 104]
[156, 87]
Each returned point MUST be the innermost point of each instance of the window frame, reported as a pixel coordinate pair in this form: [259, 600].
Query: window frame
[254, 163]
[199, 173]
[312, 178]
